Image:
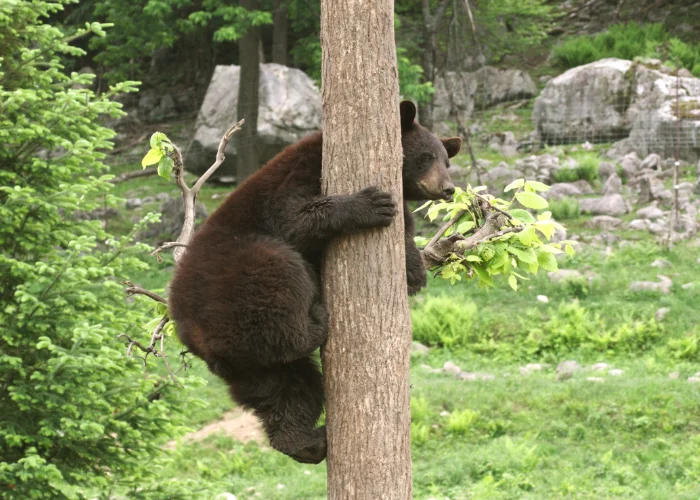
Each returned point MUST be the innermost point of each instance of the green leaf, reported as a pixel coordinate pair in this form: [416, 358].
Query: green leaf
[153, 156]
[536, 186]
[465, 226]
[516, 184]
[513, 282]
[544, 216]
[472, 258]
[547, 261]
[546, 228]
[522, 215]
[165, 167]
[569, 250]
[531, 200]
[524, 255]
[527, 236]
[427, 203]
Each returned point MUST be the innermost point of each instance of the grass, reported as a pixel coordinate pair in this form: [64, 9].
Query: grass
[530, 437]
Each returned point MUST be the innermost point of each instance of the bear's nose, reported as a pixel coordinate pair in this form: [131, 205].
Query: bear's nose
[448, 190]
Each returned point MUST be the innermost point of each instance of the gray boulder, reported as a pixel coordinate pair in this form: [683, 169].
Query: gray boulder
[562, 190]
[604, 222]
[651, 188]
[290, 108]
[663, 285]
[652, 212]
[608, 205]
[457, 94]
[171, 219]
[605, 170]
[612, 186]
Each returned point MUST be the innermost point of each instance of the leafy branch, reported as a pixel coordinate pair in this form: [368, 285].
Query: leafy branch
[485, 236]
[168, 158]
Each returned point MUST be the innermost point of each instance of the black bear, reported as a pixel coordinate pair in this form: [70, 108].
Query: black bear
[246, 297]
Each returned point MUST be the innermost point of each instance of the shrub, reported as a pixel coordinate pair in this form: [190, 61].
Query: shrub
[77, 415]
[627, 41]
[586, 169]
[443, 322]
[565, 209]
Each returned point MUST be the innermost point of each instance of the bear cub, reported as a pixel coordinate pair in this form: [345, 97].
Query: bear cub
[246, 296]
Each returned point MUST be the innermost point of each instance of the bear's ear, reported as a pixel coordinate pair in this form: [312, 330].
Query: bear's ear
[452, 145]
[408, 114]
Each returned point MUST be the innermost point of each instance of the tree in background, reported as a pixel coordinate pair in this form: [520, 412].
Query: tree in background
[77, 417]
[366, 359]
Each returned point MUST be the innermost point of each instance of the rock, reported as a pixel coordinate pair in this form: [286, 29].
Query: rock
[534, 367]
[661, 313]
[696, 187]
[225, 496]
[592, 93]
[595, 379]
[600, 367]
[418, 348]
[562, 275]
[475, 376]
[543, 298]
[171, 220]
[653, 162]
[166, 108]
[663, 286]
[688, 286]
[608, 205]
[162, 197]
[450, 367]
[630, 165]
[524, 371]
[661, 263]
[566, 369]
[616, 372]
[504, 143]
[290, 108]
[652, 212]
[562, 190]
[650, 189]
[604, 222]
[499, 177]
[605, 170]
[674, 375]
[148, 199]
[133, 203]
[457, 94]
[544, 79]
[584, 102]
[612, 186]
[587, 146]
[584, 186]
[97, 214]
[639, 225]
[694, 380]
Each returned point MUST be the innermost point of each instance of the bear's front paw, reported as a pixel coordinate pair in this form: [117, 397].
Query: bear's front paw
[378, 208]
[416, 279]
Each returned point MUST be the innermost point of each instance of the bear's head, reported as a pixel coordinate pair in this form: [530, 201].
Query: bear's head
[425, 159]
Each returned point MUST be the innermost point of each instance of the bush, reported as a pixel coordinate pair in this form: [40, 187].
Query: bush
[441, 321]
[78, 417]
[565, 209]
[628, 41]
[586, 170]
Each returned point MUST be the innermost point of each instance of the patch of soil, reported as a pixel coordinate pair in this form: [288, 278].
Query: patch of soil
[240, 425]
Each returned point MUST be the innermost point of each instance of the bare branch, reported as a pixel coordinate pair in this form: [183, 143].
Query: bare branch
[165, 246]
[220, 156]
[126, 176]
[132, 289]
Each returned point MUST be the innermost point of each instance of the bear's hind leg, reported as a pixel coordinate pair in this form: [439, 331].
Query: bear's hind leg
[288, 399]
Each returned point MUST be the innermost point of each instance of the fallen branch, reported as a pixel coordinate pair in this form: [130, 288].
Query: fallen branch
[126, 176]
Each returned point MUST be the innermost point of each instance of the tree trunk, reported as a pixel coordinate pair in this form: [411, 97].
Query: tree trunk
[366, 358]
[279, 32]
[249, 57]
[430, 25]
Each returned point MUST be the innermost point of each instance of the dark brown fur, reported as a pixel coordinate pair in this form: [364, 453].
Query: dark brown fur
[246, 296]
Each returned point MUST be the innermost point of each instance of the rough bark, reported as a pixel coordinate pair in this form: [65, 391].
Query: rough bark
[279, 32]
[366, 358]
[249, 58]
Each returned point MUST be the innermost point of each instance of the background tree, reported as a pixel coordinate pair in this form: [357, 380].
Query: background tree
[366, 359]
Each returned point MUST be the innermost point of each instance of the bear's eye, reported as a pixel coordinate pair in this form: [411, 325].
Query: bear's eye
[428, 156]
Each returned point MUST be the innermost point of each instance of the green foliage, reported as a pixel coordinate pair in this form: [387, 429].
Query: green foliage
[143, 26]
[628, 41]
[76, 415]
[586, 169]
[441, 321]
[565, 209]
[161, 153]
[516, 250]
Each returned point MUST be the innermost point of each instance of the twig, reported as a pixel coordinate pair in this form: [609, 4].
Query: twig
[157, 335]
[165, 246]
[444, 228]
[126, 176]
[132, 289]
